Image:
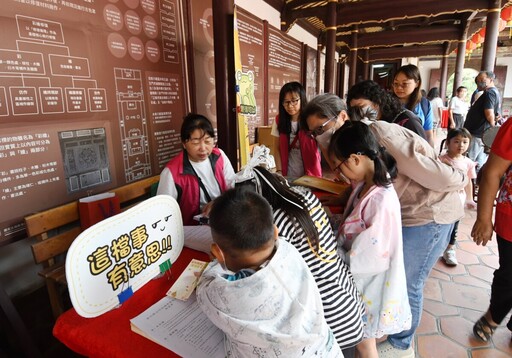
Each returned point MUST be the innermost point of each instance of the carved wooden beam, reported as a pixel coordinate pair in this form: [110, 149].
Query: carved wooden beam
[420, 35]
[393, 53]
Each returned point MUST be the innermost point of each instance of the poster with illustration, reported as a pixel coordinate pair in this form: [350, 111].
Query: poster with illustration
[114, 258]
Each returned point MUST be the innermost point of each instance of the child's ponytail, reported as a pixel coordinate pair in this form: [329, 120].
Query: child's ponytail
[385, 167]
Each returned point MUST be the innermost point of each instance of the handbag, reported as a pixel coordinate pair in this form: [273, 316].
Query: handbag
[96, 208]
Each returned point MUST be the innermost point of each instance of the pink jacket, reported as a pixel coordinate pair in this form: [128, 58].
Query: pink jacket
[187, 183]
[308, 151]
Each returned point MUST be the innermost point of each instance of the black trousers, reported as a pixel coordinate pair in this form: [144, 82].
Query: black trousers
[458, 119]
[453, 235]
[501, 289]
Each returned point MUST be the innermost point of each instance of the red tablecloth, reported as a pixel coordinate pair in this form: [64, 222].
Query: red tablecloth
[110, 335]
[445, 119]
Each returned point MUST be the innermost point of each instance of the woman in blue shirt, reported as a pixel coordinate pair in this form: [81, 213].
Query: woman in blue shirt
[406, 86]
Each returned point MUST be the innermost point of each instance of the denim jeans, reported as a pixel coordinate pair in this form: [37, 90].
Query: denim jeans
[476, 152]
[422, 247]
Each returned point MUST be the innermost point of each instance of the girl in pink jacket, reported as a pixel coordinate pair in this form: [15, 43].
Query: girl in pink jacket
[370, 238]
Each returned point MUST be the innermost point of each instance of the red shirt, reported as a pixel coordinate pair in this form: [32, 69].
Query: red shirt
[502, 146]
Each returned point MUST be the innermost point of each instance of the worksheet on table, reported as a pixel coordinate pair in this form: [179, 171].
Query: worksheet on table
[182, 327]
[198, 237]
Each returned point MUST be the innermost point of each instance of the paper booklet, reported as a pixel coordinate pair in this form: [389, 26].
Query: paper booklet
[321, 184]
[182, 327]
[187, 282]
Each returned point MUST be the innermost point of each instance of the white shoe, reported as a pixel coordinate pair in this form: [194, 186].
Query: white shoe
[386, 350]
[450, 258]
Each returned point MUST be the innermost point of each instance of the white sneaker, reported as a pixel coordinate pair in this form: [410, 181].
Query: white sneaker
[386, 350]
[450, 258]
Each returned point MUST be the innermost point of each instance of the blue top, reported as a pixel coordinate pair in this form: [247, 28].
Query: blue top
[427, 120]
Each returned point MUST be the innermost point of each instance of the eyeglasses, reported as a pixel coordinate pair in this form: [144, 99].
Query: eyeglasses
[196, 142]
[321, 129]
[337, 169]
[403, 85]
[292, 102]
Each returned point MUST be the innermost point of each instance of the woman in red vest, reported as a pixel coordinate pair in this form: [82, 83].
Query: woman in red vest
[296, 151]
[200, 173]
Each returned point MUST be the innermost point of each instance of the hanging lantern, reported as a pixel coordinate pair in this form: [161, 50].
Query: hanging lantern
[506, 14]
[502, 25]
[482, 32]
[477, 39]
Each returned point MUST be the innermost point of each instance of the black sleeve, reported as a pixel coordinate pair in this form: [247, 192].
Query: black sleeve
[409, 120]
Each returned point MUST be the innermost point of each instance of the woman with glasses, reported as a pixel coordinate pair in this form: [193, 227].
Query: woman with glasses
[200, 172]
[322, 118]
[296, 153]
[407, 86]
[367, 99]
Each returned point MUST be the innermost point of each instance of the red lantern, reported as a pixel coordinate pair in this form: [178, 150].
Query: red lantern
[470, 46]
[506, 14]
[482, 32]
[502, 25]
[477, 38]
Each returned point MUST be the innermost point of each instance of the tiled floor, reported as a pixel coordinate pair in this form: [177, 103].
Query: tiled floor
[455, 298]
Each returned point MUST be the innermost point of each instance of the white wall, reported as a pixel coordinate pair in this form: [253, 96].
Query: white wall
[425, 67]
[506, 61]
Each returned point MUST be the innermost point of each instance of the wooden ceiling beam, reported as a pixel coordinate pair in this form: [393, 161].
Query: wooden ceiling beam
[380, 11]
[420, 35]
[393, 53]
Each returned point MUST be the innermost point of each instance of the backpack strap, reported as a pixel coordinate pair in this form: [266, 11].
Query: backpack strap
[424, 106]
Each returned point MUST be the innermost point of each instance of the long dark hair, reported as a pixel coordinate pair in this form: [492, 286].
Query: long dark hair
[356, 137]
[285, 125]
[412, 72]
[279, 195]
[433, 93]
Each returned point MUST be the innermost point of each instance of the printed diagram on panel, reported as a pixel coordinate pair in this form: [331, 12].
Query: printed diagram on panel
[132, 123]
[85, 157]
[40, 60]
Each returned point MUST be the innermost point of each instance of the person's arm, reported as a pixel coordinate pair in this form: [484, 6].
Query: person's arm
[228, 171]
[429, 135]
[166, 185]
[492, 172]
[422, 167]
[470, 203]
[452, 120]
[489, 116]
[277, 155]
[277, 149]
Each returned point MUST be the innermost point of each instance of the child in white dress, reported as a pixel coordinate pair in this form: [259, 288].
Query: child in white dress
[371, 234]
[457, 144]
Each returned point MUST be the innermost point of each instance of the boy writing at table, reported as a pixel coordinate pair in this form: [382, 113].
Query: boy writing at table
[259, 291]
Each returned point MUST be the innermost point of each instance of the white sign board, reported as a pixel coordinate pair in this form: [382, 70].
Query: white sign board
[122, 252]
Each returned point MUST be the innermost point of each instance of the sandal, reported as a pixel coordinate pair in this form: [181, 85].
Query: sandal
[483, 330]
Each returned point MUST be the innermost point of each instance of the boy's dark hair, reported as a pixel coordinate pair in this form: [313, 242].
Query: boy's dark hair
[452, 133]
[356, 137]
[280, 196]
[460, 88]
[241, 220]
[193, 121]
[285, 125]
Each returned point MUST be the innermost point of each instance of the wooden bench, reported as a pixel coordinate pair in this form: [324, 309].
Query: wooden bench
[56, 228]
